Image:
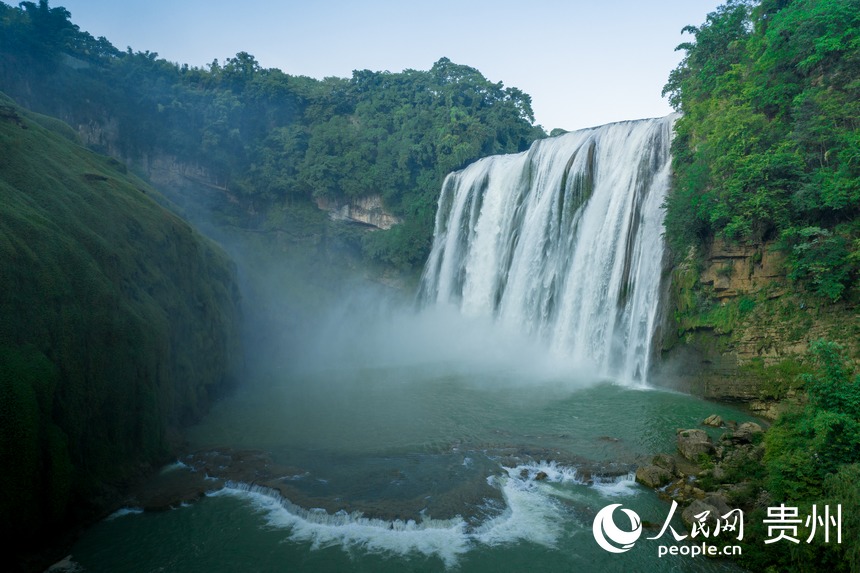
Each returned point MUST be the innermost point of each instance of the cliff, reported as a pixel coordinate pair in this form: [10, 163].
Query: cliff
[119, 324]
[739, 330]
[364, 210]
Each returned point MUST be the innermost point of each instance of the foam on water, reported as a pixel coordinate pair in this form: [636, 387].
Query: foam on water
[533, 514]
[66, 565]
[177, 465]
[123, 511]
[445, 539]
[554, 473]
[621, 486]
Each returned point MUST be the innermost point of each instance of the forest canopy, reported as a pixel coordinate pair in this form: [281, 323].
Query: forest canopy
[768, 147]
[272, 139]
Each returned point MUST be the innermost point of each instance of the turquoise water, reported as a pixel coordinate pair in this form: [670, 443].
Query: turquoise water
[435, 468]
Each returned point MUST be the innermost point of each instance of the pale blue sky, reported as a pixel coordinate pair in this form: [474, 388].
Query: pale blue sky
[583, 63]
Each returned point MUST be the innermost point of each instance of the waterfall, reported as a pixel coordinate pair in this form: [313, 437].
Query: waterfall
[563, 241]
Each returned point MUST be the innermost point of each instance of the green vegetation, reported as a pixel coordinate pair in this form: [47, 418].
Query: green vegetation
[119, 324]
[769, 144]
[808, 445]
[269, 140]
[767, 152]
[812, 456]
[809, 457]
[780, 380]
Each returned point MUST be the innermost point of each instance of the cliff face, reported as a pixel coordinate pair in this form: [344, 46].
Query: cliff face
[365, 210]
[118, 324]
[743, 270]
[739, 330]
[178, 178]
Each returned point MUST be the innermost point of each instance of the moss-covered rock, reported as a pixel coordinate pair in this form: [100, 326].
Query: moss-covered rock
[694, 443]
[118, 323]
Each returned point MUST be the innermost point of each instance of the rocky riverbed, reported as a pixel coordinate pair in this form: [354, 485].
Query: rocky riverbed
[197, 473]
[707, 474]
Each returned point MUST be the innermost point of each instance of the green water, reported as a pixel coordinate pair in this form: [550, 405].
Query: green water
[430, 445]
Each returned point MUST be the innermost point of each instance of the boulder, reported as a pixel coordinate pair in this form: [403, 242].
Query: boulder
[666, 462]
[694, 443]
[713, 420]
[683, 491]
[719, 502]
[653, 476]
[744, 434]
[697, 507]
[714, 503]
[747, 431]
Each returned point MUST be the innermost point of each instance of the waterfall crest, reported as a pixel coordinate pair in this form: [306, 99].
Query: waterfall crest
[563, 241]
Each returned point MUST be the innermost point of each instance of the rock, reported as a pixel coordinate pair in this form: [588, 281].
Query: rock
[697, 507]
[714, 504]
[757, 453]
[171, 488]
[742, 493]
[683, 491]
[769, 409]
[687, 469]
[366, 210]
[694, 443]
[717, 501]
[540, 476]
[666, 462]
[653, 476]
[737, 456]
[744, 434]
[675, 490]
[747, 430]
[713, 420]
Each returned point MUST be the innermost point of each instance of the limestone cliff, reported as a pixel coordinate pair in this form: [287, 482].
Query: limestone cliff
[739, 329]
[364, 210]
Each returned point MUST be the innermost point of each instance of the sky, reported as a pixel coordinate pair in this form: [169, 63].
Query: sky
[584, 63]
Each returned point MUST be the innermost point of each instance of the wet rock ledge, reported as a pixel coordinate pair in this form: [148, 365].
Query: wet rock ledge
[704, 474]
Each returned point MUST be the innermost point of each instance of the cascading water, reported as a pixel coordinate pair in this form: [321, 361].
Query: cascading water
[563, 241]
[408, 449]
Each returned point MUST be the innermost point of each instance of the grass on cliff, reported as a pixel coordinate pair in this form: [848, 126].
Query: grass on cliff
[117, 323]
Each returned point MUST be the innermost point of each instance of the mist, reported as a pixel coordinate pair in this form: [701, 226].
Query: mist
[299, 322]
[372, 329]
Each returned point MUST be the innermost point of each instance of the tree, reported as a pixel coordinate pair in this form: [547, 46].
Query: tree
[768, 145]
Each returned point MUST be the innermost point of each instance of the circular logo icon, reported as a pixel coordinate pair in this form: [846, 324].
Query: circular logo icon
[609, 536]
